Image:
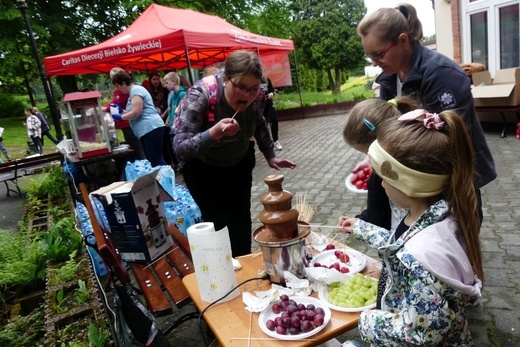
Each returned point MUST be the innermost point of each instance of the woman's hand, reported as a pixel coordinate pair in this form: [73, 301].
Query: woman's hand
[361, 165]
[277, 164]
[345, 224]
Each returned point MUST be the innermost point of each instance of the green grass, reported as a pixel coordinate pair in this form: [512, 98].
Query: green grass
[353, 89]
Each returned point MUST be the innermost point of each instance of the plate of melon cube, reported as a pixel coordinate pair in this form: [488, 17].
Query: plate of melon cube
[355, 295]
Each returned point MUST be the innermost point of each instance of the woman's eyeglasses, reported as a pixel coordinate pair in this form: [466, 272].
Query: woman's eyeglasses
[243, 90]
[380, 56]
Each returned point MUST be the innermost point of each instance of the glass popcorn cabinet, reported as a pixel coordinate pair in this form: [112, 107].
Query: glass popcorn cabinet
[85, 123]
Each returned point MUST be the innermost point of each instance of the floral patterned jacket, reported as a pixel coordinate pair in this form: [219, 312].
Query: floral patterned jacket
[430, 281]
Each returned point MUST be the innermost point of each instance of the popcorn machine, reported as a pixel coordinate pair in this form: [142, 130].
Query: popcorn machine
[84, 120]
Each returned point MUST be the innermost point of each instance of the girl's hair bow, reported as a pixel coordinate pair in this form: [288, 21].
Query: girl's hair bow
[430, 120]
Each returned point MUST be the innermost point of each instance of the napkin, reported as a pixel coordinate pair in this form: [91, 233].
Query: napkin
[318, 242]
[295, 286]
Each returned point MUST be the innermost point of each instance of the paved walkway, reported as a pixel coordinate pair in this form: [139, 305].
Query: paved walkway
[323, 162]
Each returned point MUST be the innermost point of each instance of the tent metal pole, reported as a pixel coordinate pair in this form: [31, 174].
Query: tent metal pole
[298, 78]
[189, 66]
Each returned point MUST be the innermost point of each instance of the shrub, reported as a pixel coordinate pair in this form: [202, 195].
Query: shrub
[10, 106]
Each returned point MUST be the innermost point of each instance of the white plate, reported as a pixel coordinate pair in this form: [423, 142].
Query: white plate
[268, 313]
[352, 187]
[356, 263]
[323, 294]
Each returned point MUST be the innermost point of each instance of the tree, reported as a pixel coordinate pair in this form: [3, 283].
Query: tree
[325, 34]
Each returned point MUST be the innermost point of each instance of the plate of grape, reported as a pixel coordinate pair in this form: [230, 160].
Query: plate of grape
[294, 318]
[356, 295]
[346, 261]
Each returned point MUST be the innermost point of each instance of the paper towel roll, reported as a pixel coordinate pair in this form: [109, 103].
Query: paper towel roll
[211, 253]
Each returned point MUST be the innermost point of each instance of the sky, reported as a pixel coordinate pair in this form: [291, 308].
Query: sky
[424, 11]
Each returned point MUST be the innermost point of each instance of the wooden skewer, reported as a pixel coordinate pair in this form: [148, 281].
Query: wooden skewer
[323, 226]
[250, 327]
[239, 109]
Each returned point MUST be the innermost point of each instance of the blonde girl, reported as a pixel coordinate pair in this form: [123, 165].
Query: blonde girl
[433, 259]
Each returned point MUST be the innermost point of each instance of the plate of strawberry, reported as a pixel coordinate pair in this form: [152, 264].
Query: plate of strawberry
[358, 182]
[342, 260]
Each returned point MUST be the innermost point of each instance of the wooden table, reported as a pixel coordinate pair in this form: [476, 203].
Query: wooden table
[231, 320]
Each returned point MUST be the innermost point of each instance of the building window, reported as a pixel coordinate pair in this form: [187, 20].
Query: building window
[509, 40]
[479, 38]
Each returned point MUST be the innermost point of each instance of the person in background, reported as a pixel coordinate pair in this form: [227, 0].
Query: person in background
[210, 70]
[218, 154]
[159, 93]
[121, 100]
[375, 88]
[184, 82]
[177, 93]
[269, 110]
[145, 121]
[391, 38]
[2, 146]
[46, 125]
[433, 260]
[34, 129]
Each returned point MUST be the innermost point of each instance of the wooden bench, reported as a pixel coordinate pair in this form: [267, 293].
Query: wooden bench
[502, 110]
[164, 276]
[12, 170]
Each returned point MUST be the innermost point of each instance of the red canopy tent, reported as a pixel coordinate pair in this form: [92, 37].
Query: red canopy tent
[164, 38]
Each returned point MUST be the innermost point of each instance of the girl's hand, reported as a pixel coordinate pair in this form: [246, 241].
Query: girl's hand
[345, 224]
[363, 164]
[277, 164]
[225, 127]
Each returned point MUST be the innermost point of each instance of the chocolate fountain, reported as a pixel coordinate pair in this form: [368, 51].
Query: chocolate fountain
[282, 237]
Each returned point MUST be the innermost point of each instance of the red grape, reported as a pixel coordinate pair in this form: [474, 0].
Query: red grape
[295, 322]
[291, 309]
[309, 315]
[281, 330]
[318, 320]
[276, 308]
[294, 331]
[270, 324]
[306, 326]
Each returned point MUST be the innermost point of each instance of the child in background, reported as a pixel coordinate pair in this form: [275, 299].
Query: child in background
[34, 129]
[363, 123]
[2, 146]
[433, 259]
[46, 125]
[172, 82]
